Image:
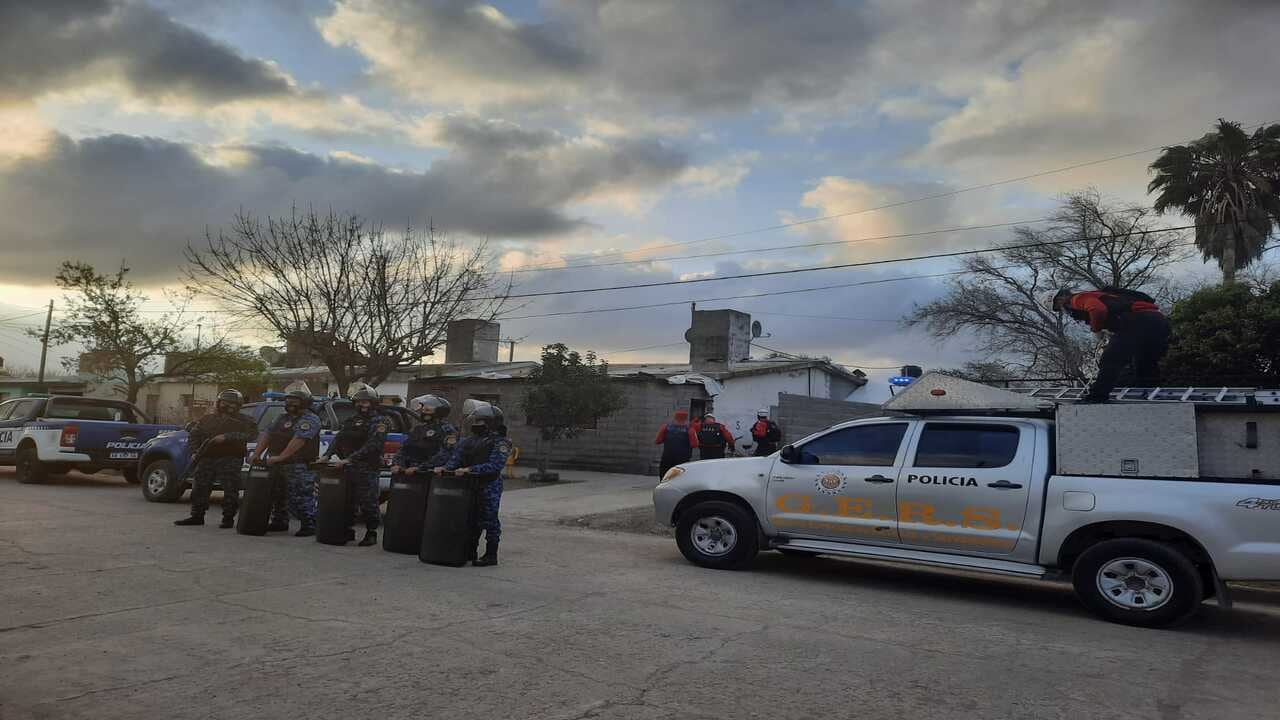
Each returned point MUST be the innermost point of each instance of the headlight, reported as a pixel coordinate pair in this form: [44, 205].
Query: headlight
[672, 474]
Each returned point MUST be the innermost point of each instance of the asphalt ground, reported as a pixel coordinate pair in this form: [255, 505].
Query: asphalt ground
[109, 611]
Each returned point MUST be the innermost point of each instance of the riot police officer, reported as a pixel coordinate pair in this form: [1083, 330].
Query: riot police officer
[294, 442]
[359, 444]
[221, 440]
[483, 456]
[430, 444]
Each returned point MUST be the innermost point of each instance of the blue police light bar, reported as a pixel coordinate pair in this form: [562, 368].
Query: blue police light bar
[901, 381]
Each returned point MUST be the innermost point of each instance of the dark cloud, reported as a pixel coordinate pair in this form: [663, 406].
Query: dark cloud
[141, 199]
[58, 44]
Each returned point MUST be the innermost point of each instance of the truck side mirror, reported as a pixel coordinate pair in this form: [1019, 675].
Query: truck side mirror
[789, 454]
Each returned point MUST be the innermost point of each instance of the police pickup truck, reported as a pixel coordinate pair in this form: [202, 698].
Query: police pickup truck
[1146, 507]
[49, 435]
[165, 459]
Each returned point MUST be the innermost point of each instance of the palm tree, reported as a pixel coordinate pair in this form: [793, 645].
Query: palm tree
[1229, 181]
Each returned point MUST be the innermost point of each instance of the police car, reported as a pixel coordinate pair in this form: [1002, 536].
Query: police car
[43, 435]
[165, 460]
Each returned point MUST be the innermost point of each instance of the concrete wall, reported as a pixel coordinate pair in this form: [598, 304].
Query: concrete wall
[164, 402]
[620, 443]
[742, 396]
[799, 416]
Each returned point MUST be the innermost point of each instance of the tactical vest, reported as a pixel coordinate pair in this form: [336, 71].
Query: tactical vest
[354, 433]
[215, 424]
[426, 441]
[676, 443]
[281, 433]
[709, 435]
[476, 450]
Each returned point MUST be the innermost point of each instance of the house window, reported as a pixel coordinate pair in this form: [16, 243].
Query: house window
[186, 400]
[153, 406]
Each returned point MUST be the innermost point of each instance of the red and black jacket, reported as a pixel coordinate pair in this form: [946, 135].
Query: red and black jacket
[1103, 308]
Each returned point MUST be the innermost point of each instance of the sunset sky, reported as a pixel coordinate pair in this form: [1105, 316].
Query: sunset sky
[565, 130]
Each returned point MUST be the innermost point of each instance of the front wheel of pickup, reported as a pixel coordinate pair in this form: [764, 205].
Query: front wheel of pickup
[718, 534]
[160, 483]
[1138, 582]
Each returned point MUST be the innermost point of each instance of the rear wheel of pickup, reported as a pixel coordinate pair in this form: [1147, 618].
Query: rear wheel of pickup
[160, 483]
[1138, 582]
[717, 534]
[28, 467]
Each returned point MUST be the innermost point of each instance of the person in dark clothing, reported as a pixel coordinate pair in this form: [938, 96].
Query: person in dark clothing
[713, 438]
[430, 444]
[678, 440]
[359, 444]
[483, 456]
[1139, 334]
[221, 439]
[293, 442]
[766, 434]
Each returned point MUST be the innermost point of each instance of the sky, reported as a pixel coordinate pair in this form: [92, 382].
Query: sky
[600, 132]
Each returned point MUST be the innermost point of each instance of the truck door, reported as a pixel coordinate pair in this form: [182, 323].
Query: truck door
[840, 485]
[17, 412]
[965, 486]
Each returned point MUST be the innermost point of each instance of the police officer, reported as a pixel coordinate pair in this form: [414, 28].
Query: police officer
[294, 442]
[483, 456]
[359, 444]
[766, 434]
[430, 444]
[221, 438]
[713, 438]
[1139, 334]
[678, 439]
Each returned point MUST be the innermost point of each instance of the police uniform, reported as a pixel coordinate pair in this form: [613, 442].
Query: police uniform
[220, 462]
[360, 442]
[428, 446]
[293, 482]
[486, 457]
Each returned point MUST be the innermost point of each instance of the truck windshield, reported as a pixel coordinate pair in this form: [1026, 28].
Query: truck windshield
[73, 409]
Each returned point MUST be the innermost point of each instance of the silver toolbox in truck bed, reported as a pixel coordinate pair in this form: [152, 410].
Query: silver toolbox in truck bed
[1147, 439]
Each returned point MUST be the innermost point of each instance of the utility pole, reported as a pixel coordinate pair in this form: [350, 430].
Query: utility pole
[511, 348]
[191, 410]
[44, 343]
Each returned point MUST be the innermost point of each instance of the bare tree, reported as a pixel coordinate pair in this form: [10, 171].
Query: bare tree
[1002, 298]
[362, 300]
[103, 314]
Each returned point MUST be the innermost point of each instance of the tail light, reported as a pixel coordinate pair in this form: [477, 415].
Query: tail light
[69, 435]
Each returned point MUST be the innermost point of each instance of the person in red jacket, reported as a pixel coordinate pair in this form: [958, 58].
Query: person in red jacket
[1139, 334]
[713, 438]
[678, 439]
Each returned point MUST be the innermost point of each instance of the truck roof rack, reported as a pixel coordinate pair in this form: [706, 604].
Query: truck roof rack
[1198, 395]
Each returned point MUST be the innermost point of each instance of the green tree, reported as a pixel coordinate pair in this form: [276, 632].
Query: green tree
[567, 393]
[103, 314]
[1227, 335]
[1229, 182]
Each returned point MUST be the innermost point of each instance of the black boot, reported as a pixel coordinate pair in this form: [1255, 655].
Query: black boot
[490, 554]
[370, 538]
[193, 520]
[305, 531]
[278, 526]
[228, 521]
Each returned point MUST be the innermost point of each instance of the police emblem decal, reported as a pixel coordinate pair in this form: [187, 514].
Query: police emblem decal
[831, 482]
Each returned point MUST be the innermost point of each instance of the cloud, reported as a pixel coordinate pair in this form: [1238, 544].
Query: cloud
[62, 44]
[106, 198]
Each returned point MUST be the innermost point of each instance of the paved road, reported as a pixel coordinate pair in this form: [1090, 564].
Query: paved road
[109, 611]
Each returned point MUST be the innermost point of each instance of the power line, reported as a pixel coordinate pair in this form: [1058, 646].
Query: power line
[638, 349]
[824, 317]
[838, 266]
[841, 362]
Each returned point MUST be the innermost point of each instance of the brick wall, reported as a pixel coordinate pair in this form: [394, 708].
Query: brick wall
[799, 416]
[622, 442]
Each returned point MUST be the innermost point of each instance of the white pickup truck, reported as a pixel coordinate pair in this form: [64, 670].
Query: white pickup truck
[987, 493]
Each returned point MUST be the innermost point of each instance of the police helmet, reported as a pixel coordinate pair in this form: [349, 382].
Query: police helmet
[365, 393]
[232, 398]
[433, 406]
[1058, 302]
[487, 415]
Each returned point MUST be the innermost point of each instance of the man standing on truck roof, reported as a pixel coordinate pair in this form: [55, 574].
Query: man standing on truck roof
[1139, 334]
[359, 445]
[221, 438]
[293, 441]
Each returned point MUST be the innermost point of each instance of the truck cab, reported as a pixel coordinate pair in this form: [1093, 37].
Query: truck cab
[165, 461]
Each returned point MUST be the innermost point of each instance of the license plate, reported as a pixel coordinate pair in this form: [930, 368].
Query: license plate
[123, 456]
